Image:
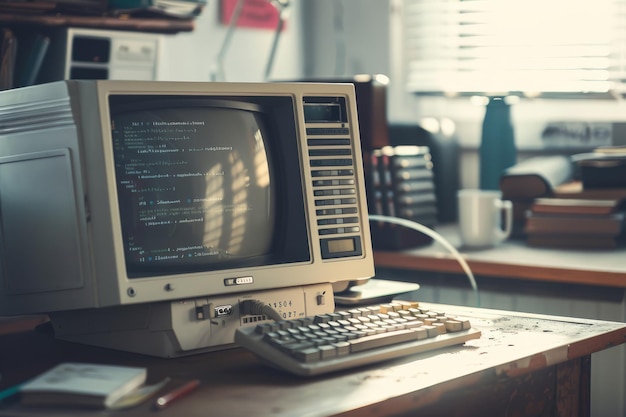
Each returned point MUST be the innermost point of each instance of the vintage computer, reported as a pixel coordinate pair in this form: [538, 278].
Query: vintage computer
[151, 216]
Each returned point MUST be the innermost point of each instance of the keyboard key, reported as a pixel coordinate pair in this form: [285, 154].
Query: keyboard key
[432, 331]
[454, 326]
[421, 333]
[327, 351]
[343, 348]
[381, 339]
[307, 355]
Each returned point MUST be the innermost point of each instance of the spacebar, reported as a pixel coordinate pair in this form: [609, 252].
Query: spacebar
[382, 339]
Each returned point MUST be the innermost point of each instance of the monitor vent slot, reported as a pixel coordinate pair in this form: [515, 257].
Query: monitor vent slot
[35, 116]
[334, 183]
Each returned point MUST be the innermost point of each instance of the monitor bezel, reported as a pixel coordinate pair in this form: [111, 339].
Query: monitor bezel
[171, 287]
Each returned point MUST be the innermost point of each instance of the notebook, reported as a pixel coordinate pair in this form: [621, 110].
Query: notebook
[82, 385]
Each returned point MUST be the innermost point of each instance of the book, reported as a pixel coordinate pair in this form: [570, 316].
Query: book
[413, 175]
[417, 211]
[601, 169]
[422, 161]
[573, 241]
[415, 198]
[74, 384]
[572, 224]
[575, 206]
[415, 187]
[174, 8]
[575, 189]
[400, 184]
[613, 150]
[536, 177]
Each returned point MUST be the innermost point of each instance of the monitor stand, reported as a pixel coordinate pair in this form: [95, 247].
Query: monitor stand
[375, 291]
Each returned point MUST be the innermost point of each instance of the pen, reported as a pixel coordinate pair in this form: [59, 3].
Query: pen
[177, 393]
[9, 392]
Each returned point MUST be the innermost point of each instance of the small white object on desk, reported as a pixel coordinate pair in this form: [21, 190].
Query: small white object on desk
[82, 384]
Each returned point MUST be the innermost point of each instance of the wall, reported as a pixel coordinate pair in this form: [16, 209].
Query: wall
[193, 56]
[345, 37]
[323, 38]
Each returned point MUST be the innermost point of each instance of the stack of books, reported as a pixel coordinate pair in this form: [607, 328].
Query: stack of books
[400, 183]
[575, 223]
[536, 177]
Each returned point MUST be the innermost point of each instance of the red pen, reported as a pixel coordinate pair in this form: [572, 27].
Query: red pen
[177, 393]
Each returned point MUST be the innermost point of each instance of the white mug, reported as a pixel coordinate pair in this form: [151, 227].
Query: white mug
[481, 215]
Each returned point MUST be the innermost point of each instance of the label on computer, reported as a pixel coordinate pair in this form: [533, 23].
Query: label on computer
[238, 281]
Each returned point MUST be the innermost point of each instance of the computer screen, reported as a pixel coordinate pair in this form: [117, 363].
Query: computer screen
[124, 204]
[187, 205]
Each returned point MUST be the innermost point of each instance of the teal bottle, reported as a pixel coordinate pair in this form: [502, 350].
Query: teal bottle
[497, 146]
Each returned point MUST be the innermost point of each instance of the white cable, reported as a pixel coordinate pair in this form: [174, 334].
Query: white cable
[437, 237]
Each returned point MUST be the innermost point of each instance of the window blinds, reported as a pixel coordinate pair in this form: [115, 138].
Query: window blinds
[526, 47]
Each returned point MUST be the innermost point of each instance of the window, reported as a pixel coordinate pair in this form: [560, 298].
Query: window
[526, 47]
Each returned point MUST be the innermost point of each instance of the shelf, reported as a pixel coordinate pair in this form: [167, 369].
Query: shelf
[515, 259]
[156, 25]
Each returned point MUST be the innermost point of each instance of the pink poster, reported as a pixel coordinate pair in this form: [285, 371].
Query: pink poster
[258, 14]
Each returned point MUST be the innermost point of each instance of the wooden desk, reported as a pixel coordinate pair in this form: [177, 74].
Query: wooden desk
[514, 259]
[522, 365]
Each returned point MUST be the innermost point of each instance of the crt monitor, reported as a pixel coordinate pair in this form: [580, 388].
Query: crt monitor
[157, 216]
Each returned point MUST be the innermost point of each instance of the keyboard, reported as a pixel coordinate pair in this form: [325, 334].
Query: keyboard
[351, 338]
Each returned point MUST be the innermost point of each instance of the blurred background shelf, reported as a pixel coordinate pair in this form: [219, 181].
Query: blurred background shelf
[122, 22]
